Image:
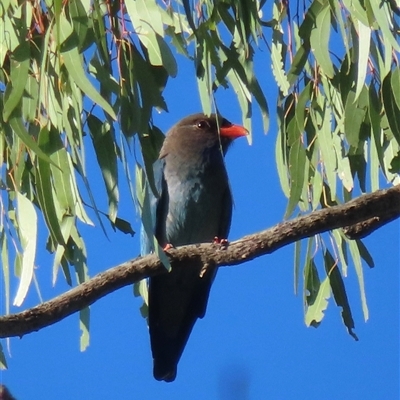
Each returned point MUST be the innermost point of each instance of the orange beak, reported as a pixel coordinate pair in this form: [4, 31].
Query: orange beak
[233, 131]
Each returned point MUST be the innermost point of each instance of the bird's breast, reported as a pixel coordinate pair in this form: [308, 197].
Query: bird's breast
[195, 206]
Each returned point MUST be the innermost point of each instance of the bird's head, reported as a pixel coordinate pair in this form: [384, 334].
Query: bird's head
[198, 132]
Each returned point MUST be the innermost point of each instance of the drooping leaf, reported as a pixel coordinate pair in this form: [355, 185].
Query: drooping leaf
[18, 127]
[355, 254]
[319, 40]
[391, 108]
[3, 361]
[84, 325]
[339, 292]
[297, 253]
[365, 254]
[277, 57]
[45, 192]
[315, 312]
[297, 159]
[363, 46]
[74, 65]
[27, 224]
[18, 77]
[104, 146]
[354, 116]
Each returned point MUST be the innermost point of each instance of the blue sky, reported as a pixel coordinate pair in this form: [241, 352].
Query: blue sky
[252, 343]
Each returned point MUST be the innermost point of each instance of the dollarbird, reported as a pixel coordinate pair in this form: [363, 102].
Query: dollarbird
[194, 206]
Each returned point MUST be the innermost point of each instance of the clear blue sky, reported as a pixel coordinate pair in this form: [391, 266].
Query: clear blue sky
[253, 343]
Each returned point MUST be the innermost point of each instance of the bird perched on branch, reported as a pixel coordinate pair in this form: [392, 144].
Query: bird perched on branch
[194, 206]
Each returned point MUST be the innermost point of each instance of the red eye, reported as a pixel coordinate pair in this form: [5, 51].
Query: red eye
[202, 125]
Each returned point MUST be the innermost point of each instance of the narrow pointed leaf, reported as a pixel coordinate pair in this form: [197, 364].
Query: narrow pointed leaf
[27, 223]
[339, 292]
[315, 312]
[45, 191]
[73, 63]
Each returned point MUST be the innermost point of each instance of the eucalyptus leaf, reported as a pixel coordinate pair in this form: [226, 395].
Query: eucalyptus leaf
[339, 292]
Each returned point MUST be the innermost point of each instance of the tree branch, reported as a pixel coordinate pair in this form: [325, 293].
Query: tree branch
[371, 206]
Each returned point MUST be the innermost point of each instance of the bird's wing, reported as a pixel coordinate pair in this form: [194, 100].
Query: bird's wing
[148, 242]
[148, 227]
[178, 299]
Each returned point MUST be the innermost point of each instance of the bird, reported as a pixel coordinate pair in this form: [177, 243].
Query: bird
[194, 206]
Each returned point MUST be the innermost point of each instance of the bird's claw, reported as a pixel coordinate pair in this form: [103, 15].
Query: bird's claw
[168, 246]
[222, 242]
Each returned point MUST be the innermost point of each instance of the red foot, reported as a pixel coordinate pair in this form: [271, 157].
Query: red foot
[168, 246]
[221, 242]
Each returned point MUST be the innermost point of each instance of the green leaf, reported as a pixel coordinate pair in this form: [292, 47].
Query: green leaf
[319, 40]
[74, 65]
[204, 79]
[343, 168]
[312, 281]
[277, 58]
[66, 228]
[62, 176]
[3, 361]
[142, 289]
[315, 312]
[341, 246]
[321, 117]
[339, 292]
[159, 52]
[355, 254]
[149, 13]
[299, 62]
[79, 256]
[374, 111]
[45, 192]
[363, 47]
[6, 269]
[390, 152]
[146, 18]
[391, 109]
[30, 99]
[308, 25]
[301, 106]
[79, 208]
[311, 278]
[336, 8]
[18, 127]
[258, 94]
[84, 325]
[281, 163]
[355, 111]
[297, 253]
[364, 253]
[395, 164]
[381, 13]
[123, 226]
[244, 98]
[20, 61]
[297, 159]
[27, 229]
[79, 19]
[104, 146]
[356, 11]
[395, 82]
[317, 185]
